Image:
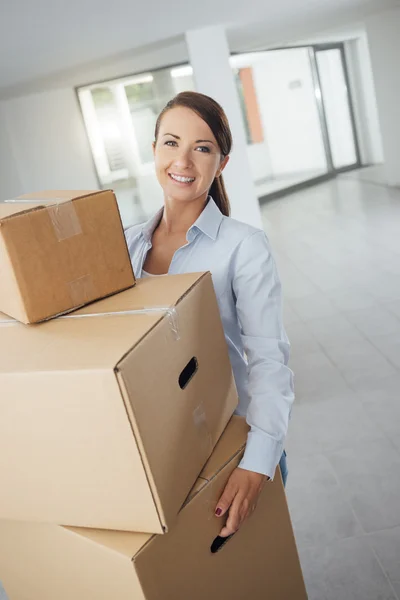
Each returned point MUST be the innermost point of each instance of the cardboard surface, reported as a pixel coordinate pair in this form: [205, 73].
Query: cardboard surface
[60, 250]
[259, 562]
[95, 429]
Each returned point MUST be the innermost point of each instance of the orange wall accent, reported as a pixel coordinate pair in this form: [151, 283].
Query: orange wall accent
[251, 104]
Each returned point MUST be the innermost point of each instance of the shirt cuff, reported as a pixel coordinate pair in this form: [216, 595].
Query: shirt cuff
[262, 454]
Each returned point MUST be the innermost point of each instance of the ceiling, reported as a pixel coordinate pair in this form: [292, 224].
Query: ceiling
[44, 37]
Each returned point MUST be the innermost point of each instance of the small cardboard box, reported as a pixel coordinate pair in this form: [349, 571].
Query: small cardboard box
[108, 414]
[60, 250]
[48, 562]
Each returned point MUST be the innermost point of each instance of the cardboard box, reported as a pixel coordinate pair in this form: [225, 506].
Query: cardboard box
[108, 415]
[60, 250]
[260, 562]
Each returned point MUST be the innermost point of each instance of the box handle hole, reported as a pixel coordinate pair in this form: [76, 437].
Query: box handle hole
[219, 543]
[188, 372]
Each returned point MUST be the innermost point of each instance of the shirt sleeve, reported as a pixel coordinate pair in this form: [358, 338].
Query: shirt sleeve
[258, 294]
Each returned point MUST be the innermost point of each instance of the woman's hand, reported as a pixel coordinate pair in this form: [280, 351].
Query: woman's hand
[240, 498]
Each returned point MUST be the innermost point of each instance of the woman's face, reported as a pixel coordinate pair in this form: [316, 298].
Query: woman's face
[187, 156]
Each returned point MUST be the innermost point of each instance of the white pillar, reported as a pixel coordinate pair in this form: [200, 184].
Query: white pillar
[384, 44]
[209, 56]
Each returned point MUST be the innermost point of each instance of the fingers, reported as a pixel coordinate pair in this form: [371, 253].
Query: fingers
[240, 510]
[239, 499]
[226, 499]
[238, 513]
[233, 522]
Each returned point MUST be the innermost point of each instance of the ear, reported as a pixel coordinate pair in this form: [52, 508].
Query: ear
[154, 148]
[222, 166]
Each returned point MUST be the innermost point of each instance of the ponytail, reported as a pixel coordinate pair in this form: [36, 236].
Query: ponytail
[219, 195]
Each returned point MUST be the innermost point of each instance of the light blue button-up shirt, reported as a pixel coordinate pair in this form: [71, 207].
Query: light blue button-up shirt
[248, 291]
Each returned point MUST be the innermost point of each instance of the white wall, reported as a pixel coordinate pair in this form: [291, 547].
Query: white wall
[364, 99]
[10, 182]
[260, 161]
[384, 43]
[49, 141]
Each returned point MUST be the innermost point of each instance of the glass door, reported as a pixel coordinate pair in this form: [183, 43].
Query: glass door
[337, 107]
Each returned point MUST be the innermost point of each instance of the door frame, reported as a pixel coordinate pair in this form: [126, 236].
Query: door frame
[321, 105]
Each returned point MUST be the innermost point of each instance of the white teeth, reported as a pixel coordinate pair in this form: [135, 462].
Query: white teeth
[182, 179]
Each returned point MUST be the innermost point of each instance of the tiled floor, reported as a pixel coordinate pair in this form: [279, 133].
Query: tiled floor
[275, 184]
[338, 249]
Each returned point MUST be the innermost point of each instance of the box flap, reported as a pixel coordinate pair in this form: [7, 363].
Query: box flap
[259, 562]
[231, 444]
[152, 292]
[123, 542]
[232, 441]
[88, 338]
[40, 561]
[37, 200]
[11, 208]
[65, 344]
[198, 486]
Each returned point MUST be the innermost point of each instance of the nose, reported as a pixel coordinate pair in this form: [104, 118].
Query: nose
[183, 159]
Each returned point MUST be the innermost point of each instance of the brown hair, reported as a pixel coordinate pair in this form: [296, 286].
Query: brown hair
[213, 114]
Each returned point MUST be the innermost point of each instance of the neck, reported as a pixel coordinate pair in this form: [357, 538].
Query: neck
[178, 217]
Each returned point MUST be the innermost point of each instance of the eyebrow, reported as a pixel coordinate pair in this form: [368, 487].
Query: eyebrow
[196, 142]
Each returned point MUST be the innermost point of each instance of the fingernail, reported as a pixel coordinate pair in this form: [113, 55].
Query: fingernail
[218, 512]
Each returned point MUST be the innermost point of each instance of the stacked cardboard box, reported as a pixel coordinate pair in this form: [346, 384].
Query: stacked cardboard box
[60, 250]
[108, 415]
[47, 562]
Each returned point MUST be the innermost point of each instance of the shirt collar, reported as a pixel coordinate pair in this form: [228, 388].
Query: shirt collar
[149, 227]
[208, 222]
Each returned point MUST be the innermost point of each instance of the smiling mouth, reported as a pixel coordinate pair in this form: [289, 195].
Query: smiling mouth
[181, 178]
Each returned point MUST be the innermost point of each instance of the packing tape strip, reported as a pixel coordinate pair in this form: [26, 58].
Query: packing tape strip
[62, 214]
[169, 311]
[81, 290]
[65, 220]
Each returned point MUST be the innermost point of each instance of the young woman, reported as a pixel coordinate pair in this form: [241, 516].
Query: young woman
[193, 232]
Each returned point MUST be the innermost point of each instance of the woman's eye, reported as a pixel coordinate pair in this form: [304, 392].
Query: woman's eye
[170, 143]
[205, 149]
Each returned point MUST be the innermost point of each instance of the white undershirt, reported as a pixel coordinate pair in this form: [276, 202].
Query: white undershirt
[146, 274]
